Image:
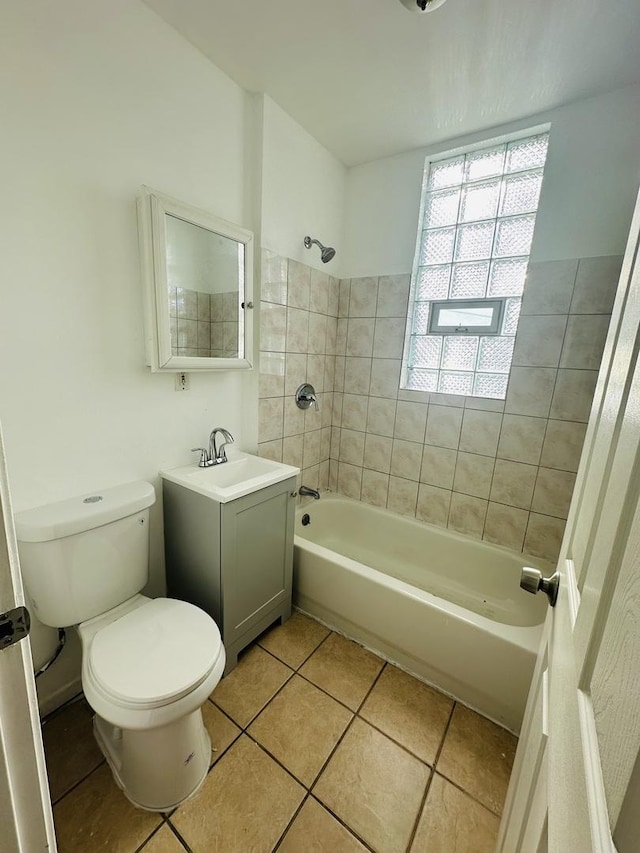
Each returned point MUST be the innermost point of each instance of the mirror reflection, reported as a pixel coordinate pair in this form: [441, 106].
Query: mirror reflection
[205, 277]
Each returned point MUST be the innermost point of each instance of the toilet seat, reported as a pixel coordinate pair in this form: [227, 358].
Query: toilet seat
[154, 655]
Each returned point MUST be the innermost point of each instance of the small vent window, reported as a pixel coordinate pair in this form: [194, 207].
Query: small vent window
[477, 218]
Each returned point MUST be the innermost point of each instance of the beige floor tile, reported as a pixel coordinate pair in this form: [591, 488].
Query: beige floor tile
[408, 711]
[375, 787]
[344, 669]
[300, 727]
[316, 831]
[245, 804]
[248, 688]
[97, 816]
[478, 755]
[221, 730]
[294, 641]
[454, 823]
[70, 748]
[164, 841]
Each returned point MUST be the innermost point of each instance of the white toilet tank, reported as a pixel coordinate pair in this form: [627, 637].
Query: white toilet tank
[81, 557]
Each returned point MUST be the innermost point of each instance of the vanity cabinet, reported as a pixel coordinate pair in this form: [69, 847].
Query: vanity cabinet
[233, 559]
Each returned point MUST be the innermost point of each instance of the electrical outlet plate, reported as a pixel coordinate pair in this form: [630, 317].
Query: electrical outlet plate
[182, 381]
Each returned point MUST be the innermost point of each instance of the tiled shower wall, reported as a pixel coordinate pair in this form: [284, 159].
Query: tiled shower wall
[499, 470]
[203, 324]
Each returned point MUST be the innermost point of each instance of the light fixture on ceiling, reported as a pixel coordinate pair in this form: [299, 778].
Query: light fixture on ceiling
[422, 5]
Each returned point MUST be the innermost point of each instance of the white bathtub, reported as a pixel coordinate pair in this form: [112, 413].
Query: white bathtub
[443, 606]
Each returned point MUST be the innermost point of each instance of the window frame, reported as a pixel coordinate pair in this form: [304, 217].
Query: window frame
[431, 159]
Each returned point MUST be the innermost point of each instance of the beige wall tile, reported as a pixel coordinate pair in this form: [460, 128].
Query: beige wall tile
[393, 296]
[293, 417]
[480, 432]
[187, 334]
[271, 382]
[596, 284]
[563, 445]
[273, 327]
[406, 459]
[438, 466]
[354, 411]
[513, 483]
[411, 421]
[467, 514]
[332, 335]
[338, 382]
[375, 787]
[349, 480]
[530, 391]
[381, 416]
[385, 377]
[443, 426]
[317, 333]
[319, 292]
[271, 450]
[505, 525]
[352, 446]
[274, 278]
[389, 337]
[544, 536]
[270, 414]
[377, 453]
[584, 341]
[478, 755]
[403, 496]
[342, 326]
[433, 505]
[311, 449]
[549, 287]
[521, 438]
[295, 371]
[357, 375]
[334, 296]
[360, 336]
[553, 492]
[315, 373]
[298, 281]
[363, 297]
[375, 487]
[297, 330]
[573, 395]
[344, 297]
[473, 474]
[539, 340]
[452, 822]
[292, 447]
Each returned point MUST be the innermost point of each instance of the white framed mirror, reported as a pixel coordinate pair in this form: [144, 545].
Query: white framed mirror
[197, 272]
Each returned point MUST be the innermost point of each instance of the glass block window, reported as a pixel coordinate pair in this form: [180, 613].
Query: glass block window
[477, 218]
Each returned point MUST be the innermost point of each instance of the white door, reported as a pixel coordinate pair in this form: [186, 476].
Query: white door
[26, 820]
[577, 768]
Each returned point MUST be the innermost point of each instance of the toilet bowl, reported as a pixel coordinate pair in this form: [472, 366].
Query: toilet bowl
[148, 664]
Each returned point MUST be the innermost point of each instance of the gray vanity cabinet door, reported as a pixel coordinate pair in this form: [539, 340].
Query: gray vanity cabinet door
[257, 557]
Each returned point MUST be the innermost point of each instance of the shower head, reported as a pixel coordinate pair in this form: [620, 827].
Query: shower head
[326, 252]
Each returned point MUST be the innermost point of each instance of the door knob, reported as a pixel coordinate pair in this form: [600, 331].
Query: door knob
[533, 581]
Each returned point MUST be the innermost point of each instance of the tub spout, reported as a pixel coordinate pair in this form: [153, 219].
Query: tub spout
[305, 491]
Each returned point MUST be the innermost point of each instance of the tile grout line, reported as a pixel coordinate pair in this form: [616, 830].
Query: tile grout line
[79, 782]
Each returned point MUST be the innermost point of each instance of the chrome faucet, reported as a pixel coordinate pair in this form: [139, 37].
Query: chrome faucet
[306, 491]
[217, 455]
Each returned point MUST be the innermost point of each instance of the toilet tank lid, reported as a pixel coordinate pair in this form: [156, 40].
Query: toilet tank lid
[75, 515]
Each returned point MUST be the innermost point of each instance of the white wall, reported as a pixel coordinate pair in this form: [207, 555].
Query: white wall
[303, 188]
[98, 99]
[588, 194]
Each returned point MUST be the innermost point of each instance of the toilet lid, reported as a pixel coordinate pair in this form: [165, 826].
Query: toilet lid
[155, 653]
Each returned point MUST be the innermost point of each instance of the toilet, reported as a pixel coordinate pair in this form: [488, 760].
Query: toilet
[148, 664]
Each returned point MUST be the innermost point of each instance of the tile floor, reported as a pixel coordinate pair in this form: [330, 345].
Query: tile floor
[318, 745]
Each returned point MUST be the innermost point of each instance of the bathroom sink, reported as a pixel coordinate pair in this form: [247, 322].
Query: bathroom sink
[242, 474]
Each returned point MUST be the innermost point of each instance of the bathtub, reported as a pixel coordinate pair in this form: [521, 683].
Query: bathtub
[442, 606]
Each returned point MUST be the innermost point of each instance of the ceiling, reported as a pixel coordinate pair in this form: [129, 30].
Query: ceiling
[369, 78]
